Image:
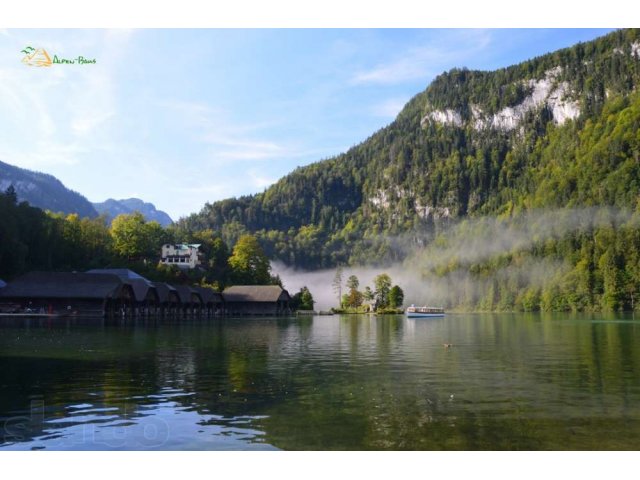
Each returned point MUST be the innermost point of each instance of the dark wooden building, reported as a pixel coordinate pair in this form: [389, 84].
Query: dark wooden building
[256, 300]
[212, 303]
[190, 300]
[168, 298]
[68, 294]
[146, 299]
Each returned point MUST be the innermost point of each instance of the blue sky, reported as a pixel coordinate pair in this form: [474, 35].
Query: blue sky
[184, 117]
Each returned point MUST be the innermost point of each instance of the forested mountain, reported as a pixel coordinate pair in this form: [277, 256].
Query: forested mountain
[546, 151]
[44, 191]
[557, 130]
[517, 189]
[112, 208]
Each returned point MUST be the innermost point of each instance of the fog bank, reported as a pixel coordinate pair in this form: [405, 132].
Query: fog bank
[437, 273]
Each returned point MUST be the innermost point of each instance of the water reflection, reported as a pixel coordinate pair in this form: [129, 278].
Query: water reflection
[350, 382]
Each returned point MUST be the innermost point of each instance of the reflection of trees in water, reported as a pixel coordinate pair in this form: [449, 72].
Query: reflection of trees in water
[388, 404]
[355, 382]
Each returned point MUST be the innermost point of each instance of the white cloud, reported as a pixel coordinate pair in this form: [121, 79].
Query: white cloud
[94, 102]
[418, 64]
[425, 62]
[259, 180]
[388, 108]
[61, 113]
[45, 155]
[227, 142]
[88, 122]
[255, 151]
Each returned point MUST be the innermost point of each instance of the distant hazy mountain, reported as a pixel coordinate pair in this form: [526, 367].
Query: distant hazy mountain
[113, 208]
[44, 191]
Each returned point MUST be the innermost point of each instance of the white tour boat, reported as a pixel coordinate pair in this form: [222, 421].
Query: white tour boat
[421, 312]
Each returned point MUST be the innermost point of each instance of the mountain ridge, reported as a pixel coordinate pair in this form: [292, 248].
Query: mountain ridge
[467, 145]
[44, 191]
[112, 208]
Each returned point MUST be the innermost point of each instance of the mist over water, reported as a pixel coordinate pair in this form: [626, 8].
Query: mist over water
[436, 271]
[480, 239]
[419, 290]
[320, 282]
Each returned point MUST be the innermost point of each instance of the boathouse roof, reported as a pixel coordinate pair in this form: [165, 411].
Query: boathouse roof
[208, 295]
[143, 289]
[255, 293]
[141, 286]
[166, 293]
[188, 294]
[123, 273]
[63, 285]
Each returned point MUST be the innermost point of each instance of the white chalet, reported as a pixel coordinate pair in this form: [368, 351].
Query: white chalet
[183, 255]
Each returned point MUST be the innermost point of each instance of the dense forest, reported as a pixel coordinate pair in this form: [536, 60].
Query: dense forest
[546, 152]
[33, 239]
[558, 132]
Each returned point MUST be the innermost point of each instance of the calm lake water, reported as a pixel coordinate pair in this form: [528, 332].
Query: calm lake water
[351, 382]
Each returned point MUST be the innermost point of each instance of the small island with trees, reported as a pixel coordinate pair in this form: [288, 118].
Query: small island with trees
[385, 298]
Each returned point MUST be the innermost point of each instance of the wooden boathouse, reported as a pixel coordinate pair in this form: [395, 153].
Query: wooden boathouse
[124, 293]
[146, 299]
[256, 300]
[190, 300]
[212, 302]
[168, 298]
[68, 294]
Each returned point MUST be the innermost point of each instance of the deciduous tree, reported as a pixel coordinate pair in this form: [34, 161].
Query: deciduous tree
[396, 297]
[249, 264]
[383, 286]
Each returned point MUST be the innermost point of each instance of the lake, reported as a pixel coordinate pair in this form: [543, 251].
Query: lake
[509, 381]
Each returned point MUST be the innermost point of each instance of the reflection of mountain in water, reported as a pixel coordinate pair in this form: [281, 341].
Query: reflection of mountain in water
[351, 382]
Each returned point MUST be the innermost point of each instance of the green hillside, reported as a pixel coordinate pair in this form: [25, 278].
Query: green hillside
[418, 170]
[556, 132]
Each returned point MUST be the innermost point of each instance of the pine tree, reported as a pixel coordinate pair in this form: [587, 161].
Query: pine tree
[337, 284]
[11, 194]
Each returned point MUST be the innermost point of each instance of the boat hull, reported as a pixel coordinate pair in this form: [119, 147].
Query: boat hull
[424, 315]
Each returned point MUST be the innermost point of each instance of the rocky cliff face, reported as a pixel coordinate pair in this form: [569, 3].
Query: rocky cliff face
[547, 92]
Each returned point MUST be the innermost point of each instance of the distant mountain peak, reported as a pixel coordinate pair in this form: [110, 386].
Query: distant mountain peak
[112, 208]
